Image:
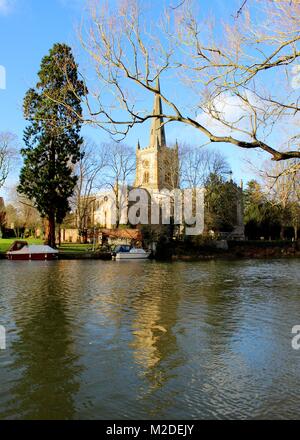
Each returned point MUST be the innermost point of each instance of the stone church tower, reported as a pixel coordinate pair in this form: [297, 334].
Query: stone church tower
[157, 166]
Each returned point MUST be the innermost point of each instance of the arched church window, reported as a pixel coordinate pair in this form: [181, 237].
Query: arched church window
[146, 177]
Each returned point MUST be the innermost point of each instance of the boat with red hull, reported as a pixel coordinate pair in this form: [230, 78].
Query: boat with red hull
[21, 250]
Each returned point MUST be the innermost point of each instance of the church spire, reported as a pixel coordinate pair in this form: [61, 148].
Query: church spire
[158, 136]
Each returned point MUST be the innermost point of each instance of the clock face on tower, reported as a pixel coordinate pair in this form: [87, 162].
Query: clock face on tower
[145, 163]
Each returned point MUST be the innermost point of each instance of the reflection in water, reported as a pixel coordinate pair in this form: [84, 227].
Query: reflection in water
[44, 350]
[154, 337]
[90, 339]
[155, 317]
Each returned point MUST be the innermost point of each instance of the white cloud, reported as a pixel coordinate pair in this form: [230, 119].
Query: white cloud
[235, 112]
[296, 77]
[6, 6]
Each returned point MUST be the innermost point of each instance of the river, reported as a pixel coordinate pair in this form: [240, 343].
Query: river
[149, 340]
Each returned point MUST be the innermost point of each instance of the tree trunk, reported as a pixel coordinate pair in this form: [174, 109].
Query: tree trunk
[59, 235]
[296, 232]
[85, 236]
[51, 231]
[117, 206]
[282, 231]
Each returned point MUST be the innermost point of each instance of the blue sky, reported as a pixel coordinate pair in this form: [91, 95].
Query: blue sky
[29, 28]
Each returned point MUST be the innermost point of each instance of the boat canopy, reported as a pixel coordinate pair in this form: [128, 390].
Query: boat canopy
[137, 251]
[35, 249]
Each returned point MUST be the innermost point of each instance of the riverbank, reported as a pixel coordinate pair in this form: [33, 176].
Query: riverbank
[239, 250]
[188, 251]
[67, 251]
[76, 256]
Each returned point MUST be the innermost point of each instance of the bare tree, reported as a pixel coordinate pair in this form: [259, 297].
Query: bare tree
[89, 171]
[120, 166]
[237, 80]
[7, 151]
[21, 214]
[2, 216]
[198, 163]
[283, 187]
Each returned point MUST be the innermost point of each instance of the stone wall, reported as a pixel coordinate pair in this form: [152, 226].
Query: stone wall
[69, 236]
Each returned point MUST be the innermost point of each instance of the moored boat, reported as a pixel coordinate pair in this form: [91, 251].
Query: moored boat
[21, 250]
[125, 252]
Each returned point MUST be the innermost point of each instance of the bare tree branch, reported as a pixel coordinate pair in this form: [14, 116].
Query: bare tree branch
[7, 152]
[208, 68]
[240, 10]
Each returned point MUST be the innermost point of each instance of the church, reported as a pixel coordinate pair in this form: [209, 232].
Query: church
[157, 169]
[157, 166]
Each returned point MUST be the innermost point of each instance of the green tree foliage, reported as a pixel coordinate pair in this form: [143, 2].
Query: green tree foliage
[271, 215]
[262, 218]
[220, 204]
[52, 137]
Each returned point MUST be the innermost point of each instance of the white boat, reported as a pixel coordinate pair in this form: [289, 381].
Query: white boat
[128, 253]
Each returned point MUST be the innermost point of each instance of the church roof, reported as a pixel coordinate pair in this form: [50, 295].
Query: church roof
[158, 135]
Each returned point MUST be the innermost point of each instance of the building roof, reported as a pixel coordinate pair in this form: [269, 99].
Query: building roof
[133, 234]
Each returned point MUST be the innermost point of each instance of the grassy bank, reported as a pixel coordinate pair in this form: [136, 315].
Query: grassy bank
[75, 248]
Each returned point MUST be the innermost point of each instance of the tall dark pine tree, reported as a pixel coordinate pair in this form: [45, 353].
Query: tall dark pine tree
[52, 138]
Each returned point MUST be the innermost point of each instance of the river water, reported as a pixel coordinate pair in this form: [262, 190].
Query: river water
[149, 340]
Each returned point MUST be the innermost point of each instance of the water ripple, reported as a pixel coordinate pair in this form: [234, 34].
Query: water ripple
[92, 339]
